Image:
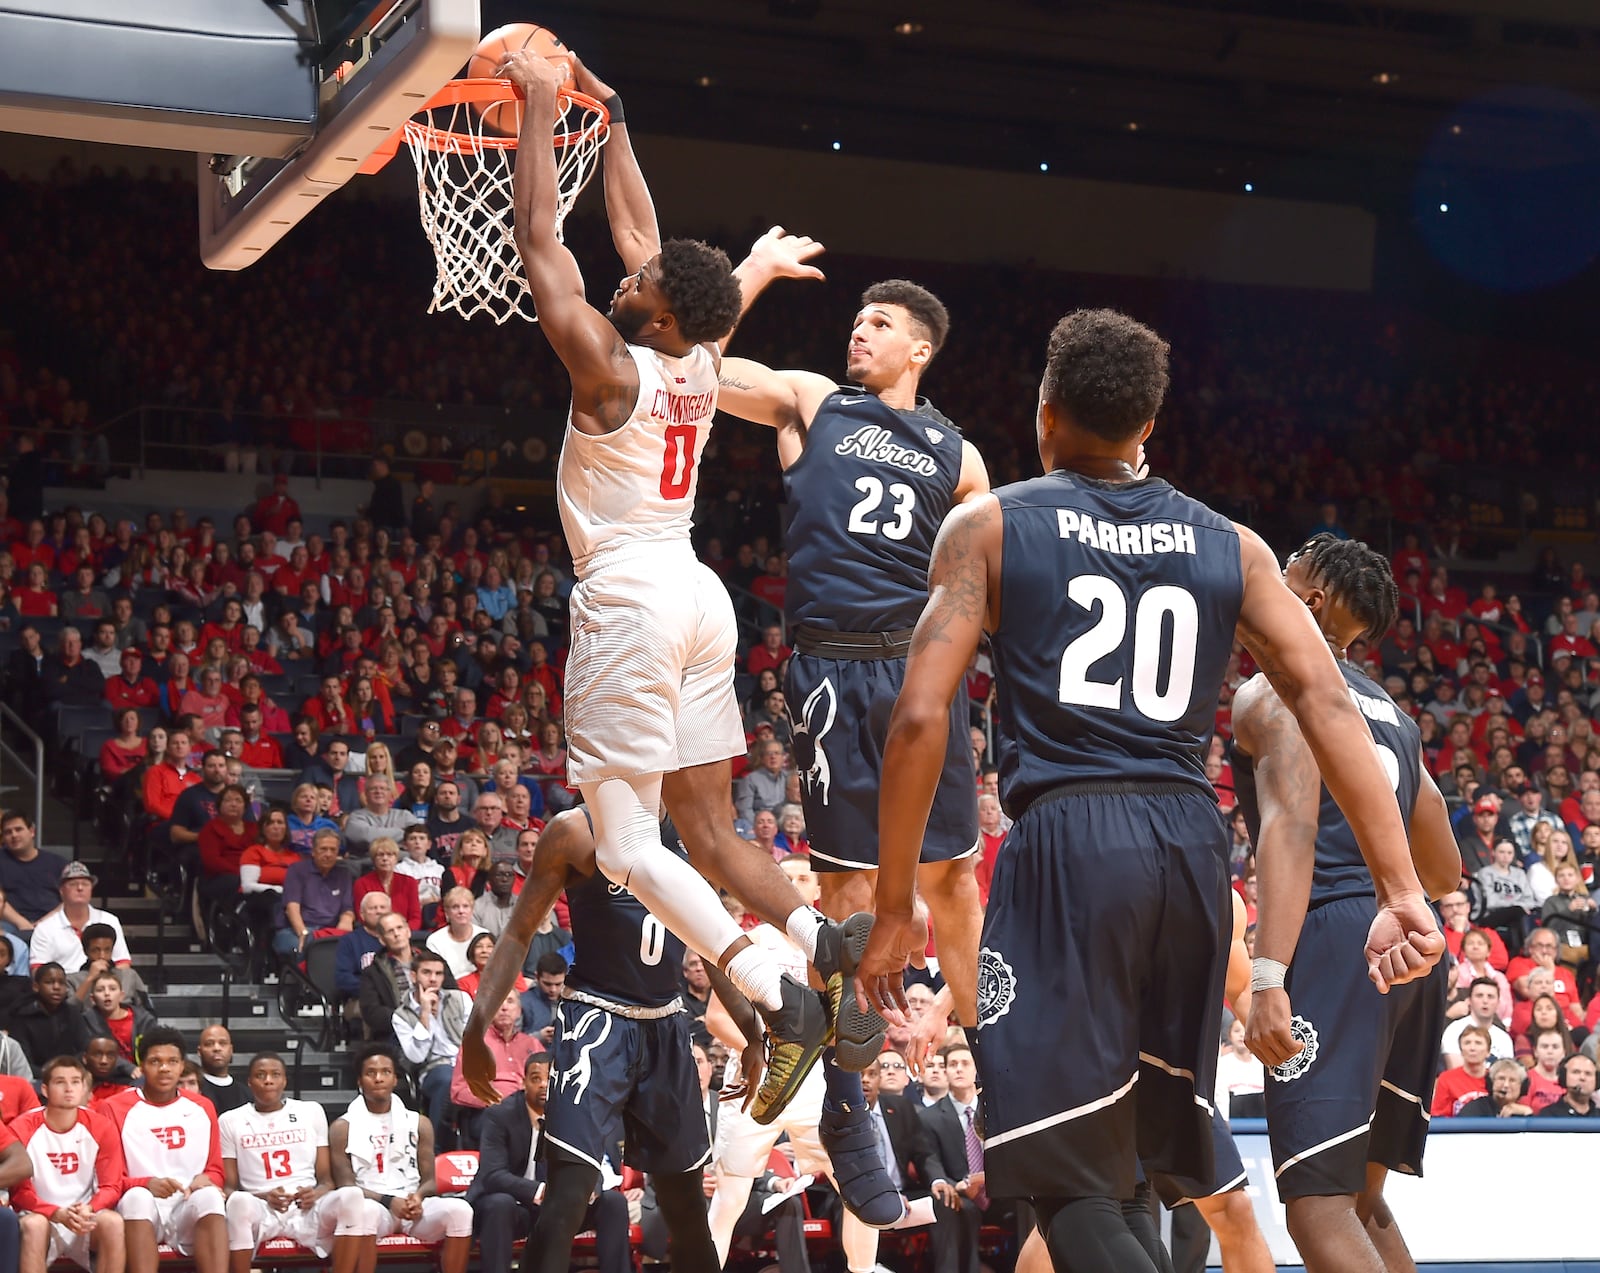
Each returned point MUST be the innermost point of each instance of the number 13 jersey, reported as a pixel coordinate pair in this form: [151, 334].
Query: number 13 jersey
[1118, 603]
[636, 484]
[276, 1149]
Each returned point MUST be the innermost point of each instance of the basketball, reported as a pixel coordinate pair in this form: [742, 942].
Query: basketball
[490, 55]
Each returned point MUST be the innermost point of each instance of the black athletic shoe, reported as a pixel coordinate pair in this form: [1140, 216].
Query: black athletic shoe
[864, 1183]
[796, 1035]
[858, 1036]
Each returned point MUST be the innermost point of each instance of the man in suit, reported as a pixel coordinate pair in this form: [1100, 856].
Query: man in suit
[958, 1190]
[506, 1193]
[909, 1155]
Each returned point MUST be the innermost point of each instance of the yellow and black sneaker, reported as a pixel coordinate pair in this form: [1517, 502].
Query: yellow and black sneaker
[796, 1035]
[857, 1036]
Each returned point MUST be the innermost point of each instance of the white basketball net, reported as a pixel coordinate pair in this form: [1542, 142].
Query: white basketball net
[464, 191]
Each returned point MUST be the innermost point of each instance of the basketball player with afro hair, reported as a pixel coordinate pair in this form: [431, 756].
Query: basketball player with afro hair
[651, 711]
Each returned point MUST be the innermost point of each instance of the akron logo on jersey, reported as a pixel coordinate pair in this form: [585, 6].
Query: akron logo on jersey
[997, 987]
[933, 435]
[1304, 1033]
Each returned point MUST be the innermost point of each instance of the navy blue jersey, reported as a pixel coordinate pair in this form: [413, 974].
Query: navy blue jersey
[865, 501]
[1118, 603]
[620, 950]
[1341, 871]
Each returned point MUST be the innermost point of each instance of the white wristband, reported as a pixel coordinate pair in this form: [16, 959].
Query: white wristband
[1266, 974]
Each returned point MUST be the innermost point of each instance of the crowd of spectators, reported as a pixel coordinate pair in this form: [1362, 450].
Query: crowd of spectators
[352, 733]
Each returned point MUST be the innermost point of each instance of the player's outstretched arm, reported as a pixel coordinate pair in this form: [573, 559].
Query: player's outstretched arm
[963, 582]
[565, 850]
[603, 388]
[1280, 633]
[732, 1019]
[629, 207]
[1289, 790]
[776, 254]
[1433, 846]
[786, 400]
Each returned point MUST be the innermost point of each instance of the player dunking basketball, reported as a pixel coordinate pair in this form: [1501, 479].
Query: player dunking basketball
[650, 673]
[1350, 1078]
[1112, 603]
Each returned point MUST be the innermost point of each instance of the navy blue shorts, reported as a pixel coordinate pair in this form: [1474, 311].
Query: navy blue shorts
[840, 710]
[1228, 1172]
[1359, 1092]
[613, 1078]
[1098, 984]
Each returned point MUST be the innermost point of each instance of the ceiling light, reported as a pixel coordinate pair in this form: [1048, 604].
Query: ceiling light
[909, 27]
[1132, 125]
[1385, 77]
[705, 81]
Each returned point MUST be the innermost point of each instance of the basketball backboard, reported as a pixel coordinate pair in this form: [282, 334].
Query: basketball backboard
[281, 102]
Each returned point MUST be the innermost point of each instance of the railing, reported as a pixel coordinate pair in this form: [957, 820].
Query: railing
[453, 444]
[8, 753]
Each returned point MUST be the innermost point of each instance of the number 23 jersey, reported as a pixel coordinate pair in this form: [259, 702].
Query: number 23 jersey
[865, 502]
[1118, 603]
[276, 1150]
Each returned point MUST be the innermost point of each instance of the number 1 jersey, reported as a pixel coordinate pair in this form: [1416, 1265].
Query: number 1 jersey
[277, 1149]
[1118, 603]
[636, 484]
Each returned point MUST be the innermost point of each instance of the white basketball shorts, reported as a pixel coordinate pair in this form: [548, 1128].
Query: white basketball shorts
[649, 685]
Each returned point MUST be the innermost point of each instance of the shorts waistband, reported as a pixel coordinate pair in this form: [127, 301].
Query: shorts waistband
[824, 644]
[1069, 790]
[628, 552]
[631, 1010]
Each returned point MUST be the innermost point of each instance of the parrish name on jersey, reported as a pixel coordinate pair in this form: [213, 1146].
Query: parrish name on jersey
[1125, 539]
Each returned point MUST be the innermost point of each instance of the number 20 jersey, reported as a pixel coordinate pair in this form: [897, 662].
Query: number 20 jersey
[865, 502]
[276, 1149]
[1118, 603]
[636, 485]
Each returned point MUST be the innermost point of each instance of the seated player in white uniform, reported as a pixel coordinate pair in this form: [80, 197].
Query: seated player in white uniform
[66, 1210]
[172, 1154]
[386, 1151]
[275, 1161]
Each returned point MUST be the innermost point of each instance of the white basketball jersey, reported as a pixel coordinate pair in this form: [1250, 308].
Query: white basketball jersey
[175, 1141]
[64, 1163]
[383, 1148]
[637, 484]
[276, 1149]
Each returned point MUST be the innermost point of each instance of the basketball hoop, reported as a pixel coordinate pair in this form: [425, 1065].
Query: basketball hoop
[464, 191]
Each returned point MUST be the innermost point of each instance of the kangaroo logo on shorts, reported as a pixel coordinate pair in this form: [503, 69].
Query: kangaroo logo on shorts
[816, 719]
[1303, 1032]
[997, 987]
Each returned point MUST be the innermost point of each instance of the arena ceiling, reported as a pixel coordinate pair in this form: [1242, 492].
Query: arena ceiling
[1356, 102]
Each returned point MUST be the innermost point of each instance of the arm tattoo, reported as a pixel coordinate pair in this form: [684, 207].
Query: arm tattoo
[961, 567]
[730, 381]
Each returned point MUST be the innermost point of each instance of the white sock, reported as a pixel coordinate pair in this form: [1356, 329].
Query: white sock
[802, 927]
[757, 977]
